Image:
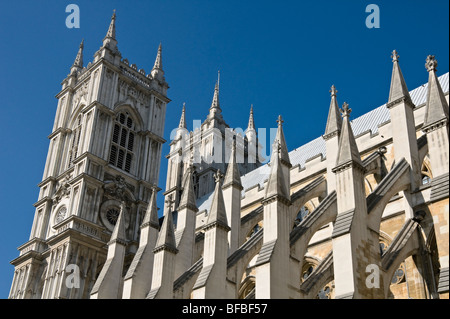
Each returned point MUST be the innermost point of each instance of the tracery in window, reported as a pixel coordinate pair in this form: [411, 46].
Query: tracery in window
[121, 153]
[399, 275]
[247, 290]
[327, 291]
[112, 215]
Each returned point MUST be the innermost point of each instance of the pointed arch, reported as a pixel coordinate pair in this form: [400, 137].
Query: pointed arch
[125, 107]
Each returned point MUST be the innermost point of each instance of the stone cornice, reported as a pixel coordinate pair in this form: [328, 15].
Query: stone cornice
[77, 225]
[189, 206]
[166, 247]
[403, 99]
[175, 188]
[153, 136]
[436, 125]
[32, 243]
[42, 201]
[348, 165]
[151, 224]
[278, 198]
[91, 157]
[104, 108]
[235, 184]
[118, 241]
[49, 179]
[26, 256]
[217, 224]
[331, 135]
[64, 91]
[59, 130]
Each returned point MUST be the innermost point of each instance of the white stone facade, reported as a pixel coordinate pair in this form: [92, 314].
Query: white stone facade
[360, 212]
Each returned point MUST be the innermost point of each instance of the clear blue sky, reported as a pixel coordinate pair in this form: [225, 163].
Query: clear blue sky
[280, 56]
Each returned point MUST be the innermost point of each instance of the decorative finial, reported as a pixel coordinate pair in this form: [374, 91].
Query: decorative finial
[345, 110]
[182, 123]
[431, 63]
[79, 58]
[158, 61]
[251, 123]
[395, 56]
[112, 27]
[218, 78]
[333, 90]
[218, 176]
[280, 121]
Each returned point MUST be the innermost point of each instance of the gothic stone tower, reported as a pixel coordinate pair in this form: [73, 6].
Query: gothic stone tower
[103, 160]
[208, 148]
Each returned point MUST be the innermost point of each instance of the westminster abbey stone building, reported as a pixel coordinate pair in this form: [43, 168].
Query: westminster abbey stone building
[361, 212]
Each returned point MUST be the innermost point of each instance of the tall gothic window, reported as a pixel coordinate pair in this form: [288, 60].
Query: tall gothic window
[76, 133]
[121, 153]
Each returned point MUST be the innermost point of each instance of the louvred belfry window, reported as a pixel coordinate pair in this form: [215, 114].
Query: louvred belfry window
[121, 152]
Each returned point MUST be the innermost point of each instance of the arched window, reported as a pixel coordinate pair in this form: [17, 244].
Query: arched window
[426, 172]
[307, 269]
[399, 275]
[76, 133]
[121, 153]
[327, 291]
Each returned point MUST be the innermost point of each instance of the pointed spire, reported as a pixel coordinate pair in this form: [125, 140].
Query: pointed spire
[158, 61]
[217, 214]
[188, 197]
[348, 151]
[118, 234]
[215, 102]
[78, 63]
[284, 154]
[166, 237]
[251, 121]
[232, 177]
[151, 215]
[436, 106]
[334, 121]
[399, 90]
[112, 27]
[157, 71]
[276, 185]
[183, 117]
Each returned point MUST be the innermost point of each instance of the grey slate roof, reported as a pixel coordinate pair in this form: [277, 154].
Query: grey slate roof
[299, 156]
